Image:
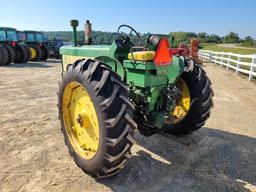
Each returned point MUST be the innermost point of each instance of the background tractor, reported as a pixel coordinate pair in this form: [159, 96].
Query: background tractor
[108, 91]
[3, 55]
[37, 44]
[54, 47]
[17, 52]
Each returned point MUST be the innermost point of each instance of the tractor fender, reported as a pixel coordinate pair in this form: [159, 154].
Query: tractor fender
[114, 64]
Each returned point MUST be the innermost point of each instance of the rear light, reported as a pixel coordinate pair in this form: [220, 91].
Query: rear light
[14, 44]
[163, 55]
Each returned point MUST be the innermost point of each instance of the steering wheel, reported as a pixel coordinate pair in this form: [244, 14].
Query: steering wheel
[126, 38]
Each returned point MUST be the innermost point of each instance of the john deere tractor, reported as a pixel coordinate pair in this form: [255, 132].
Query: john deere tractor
[108, 91]
[17, 52]
[36, 43]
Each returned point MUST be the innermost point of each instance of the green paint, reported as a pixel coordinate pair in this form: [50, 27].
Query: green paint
[145, 74]
[74, 23]
[145, 80]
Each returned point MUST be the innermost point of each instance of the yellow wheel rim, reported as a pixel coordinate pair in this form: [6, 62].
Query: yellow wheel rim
[182, 104]
[33, 52]
[80, 120]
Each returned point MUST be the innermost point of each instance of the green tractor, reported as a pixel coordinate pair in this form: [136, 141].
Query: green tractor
[36, 42]
[108, 91]
[17, 52]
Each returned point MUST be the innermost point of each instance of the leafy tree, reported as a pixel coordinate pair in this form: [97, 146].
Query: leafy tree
[248, 38]
[213, 38]
[182, 37]
[231, 38]
[202, 35]
[249, 42]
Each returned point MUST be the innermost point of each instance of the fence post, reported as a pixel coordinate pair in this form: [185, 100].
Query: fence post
[221, 60]
[252, 67]
[238, 64]
[210, 57]
[213, 59]
[228, 62]
[202, 56]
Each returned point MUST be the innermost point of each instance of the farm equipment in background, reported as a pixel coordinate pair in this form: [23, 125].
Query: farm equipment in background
[37, 44]
[188, 52]
[54, 47]
[108, 91]
[17, 52]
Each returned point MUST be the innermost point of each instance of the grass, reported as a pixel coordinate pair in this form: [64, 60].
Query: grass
[237, 50]
[215, 47]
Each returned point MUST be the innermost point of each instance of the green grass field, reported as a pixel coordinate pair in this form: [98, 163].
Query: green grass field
[237, 50]
[215, 47]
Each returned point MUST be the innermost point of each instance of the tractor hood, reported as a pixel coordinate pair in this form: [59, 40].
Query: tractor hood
[86, 50]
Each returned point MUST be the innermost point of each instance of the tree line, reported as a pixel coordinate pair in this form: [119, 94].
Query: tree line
[100, 37]
[213, 38]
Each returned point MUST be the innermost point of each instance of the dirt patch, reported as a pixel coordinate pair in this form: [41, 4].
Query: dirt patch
[219, 157]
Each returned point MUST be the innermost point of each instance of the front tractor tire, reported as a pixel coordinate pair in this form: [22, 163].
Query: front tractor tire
[199, 96]
[96, 117]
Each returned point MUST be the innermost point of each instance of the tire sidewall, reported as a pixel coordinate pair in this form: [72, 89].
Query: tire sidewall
[20, 54]
[11, 53]
[195, 84]
[28, 53]
[92, 164]
[45, 52]
[38, 51]
[3, 55]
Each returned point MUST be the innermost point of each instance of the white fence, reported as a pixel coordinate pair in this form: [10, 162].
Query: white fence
[240, 63]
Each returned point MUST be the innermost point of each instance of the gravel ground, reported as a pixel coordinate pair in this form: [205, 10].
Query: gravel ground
[219, 157]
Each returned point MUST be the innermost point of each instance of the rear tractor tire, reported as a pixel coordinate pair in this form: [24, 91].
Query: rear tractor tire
[11, 53]
[45, 52]
[36, 53]
[199, 100]
[28, 53]
[96, 117]
[20, 54]
[3, 55]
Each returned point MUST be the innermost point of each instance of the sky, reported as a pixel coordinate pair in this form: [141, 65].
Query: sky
[162, 16]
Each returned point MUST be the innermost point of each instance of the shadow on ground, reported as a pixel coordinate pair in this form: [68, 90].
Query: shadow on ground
[39, 64]
[51, 60]
[29, 64]
[208, 160]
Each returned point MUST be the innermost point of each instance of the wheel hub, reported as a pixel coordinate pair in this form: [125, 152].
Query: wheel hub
[182, 104]
[33, 52]
[81, 121]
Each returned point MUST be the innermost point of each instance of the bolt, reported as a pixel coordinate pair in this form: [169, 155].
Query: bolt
[79, 120]
[180, 112]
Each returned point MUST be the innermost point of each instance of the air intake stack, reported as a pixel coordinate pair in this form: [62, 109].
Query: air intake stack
[74, 23]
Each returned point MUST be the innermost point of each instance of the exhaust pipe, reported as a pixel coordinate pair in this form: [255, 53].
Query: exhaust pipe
[88, 33]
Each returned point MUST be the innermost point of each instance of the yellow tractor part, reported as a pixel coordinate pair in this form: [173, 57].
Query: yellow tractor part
[182, 104]
[142, 55]
[33, 52]
[80, 120]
